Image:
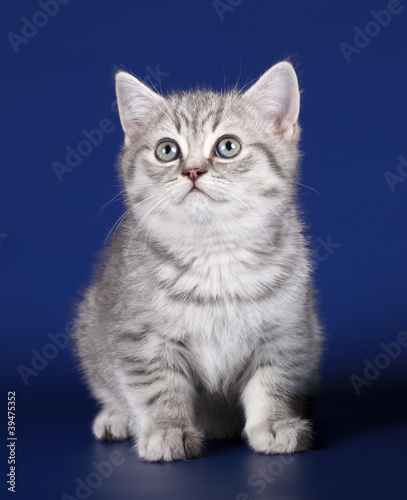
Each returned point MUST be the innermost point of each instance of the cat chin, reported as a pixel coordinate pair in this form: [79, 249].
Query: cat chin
[196, 196]
[195, 199]
[196, 205]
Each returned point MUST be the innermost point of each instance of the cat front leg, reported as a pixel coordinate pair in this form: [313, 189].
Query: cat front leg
[161, 394]
[274, 421]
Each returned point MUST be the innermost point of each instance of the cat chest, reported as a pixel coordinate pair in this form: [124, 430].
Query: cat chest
[217, 308]
[229, 276]
[219, 338]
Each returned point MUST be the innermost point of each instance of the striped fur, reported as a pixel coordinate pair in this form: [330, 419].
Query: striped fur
[201, 321]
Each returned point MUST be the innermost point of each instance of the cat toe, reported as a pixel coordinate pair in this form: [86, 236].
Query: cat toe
[167, 445]
[289, 435]
[111, 425]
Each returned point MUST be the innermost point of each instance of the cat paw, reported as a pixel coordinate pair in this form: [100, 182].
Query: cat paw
[289, 435]
[167, 445]
[111, 425]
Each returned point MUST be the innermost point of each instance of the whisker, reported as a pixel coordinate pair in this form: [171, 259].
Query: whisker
[107, 204]
[223, 70]
[285, 222]
[151, 84]
[137, 230]
[154, 218]
[236, 86]
[261, 225]
[312, 189]
[257, 220]
[117, 223]
[123, 216]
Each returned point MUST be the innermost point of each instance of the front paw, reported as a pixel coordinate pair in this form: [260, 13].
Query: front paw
[111, 425]
[167, 445]
[289, 435]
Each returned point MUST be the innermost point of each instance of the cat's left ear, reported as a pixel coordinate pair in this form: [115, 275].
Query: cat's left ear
[277, 96]
[136, 103]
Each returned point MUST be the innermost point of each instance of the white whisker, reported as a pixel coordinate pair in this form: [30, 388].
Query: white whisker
[107, 204]
[312, 189]
[154, 218]
[137, 230]
[257, 220]
[285, 222]
[123, 216]
[117, 224]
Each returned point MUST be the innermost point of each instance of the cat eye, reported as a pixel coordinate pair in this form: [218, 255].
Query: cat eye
[227, 147]
[168, 151]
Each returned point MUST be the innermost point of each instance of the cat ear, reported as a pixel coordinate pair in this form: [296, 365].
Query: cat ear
[277, 96]
[136, 102]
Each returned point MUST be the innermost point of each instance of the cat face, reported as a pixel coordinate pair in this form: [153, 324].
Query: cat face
[199, 156]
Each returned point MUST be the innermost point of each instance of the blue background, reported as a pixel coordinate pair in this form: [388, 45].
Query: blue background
[354, 120]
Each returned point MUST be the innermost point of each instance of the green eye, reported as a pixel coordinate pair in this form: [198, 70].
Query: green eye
[167, 151]
[228, 147]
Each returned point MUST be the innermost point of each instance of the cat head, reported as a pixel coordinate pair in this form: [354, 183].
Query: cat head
[202, 156]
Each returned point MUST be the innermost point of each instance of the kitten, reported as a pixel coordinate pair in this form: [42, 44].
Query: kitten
[200, 322]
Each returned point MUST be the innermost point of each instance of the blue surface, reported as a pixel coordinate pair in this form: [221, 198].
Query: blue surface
[354, 119]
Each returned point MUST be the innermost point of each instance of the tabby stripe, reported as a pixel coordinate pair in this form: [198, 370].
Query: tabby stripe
[177, 122]
[153, 399]
[184, 117]
[130, 360]
[206, 118]
[134, 157]
[275, 166]
[271, 192]
[217, 119]
[132, 337]
[150, 381]
[267, 292]
[161, 252]
[142, 371]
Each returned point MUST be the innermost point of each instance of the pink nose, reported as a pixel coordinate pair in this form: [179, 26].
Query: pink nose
[193, 173]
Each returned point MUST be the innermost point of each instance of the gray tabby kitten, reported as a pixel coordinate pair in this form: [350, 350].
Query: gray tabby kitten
[201, 320]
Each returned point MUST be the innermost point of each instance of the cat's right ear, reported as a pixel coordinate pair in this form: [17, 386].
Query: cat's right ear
[136, 102]
[277, 97]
